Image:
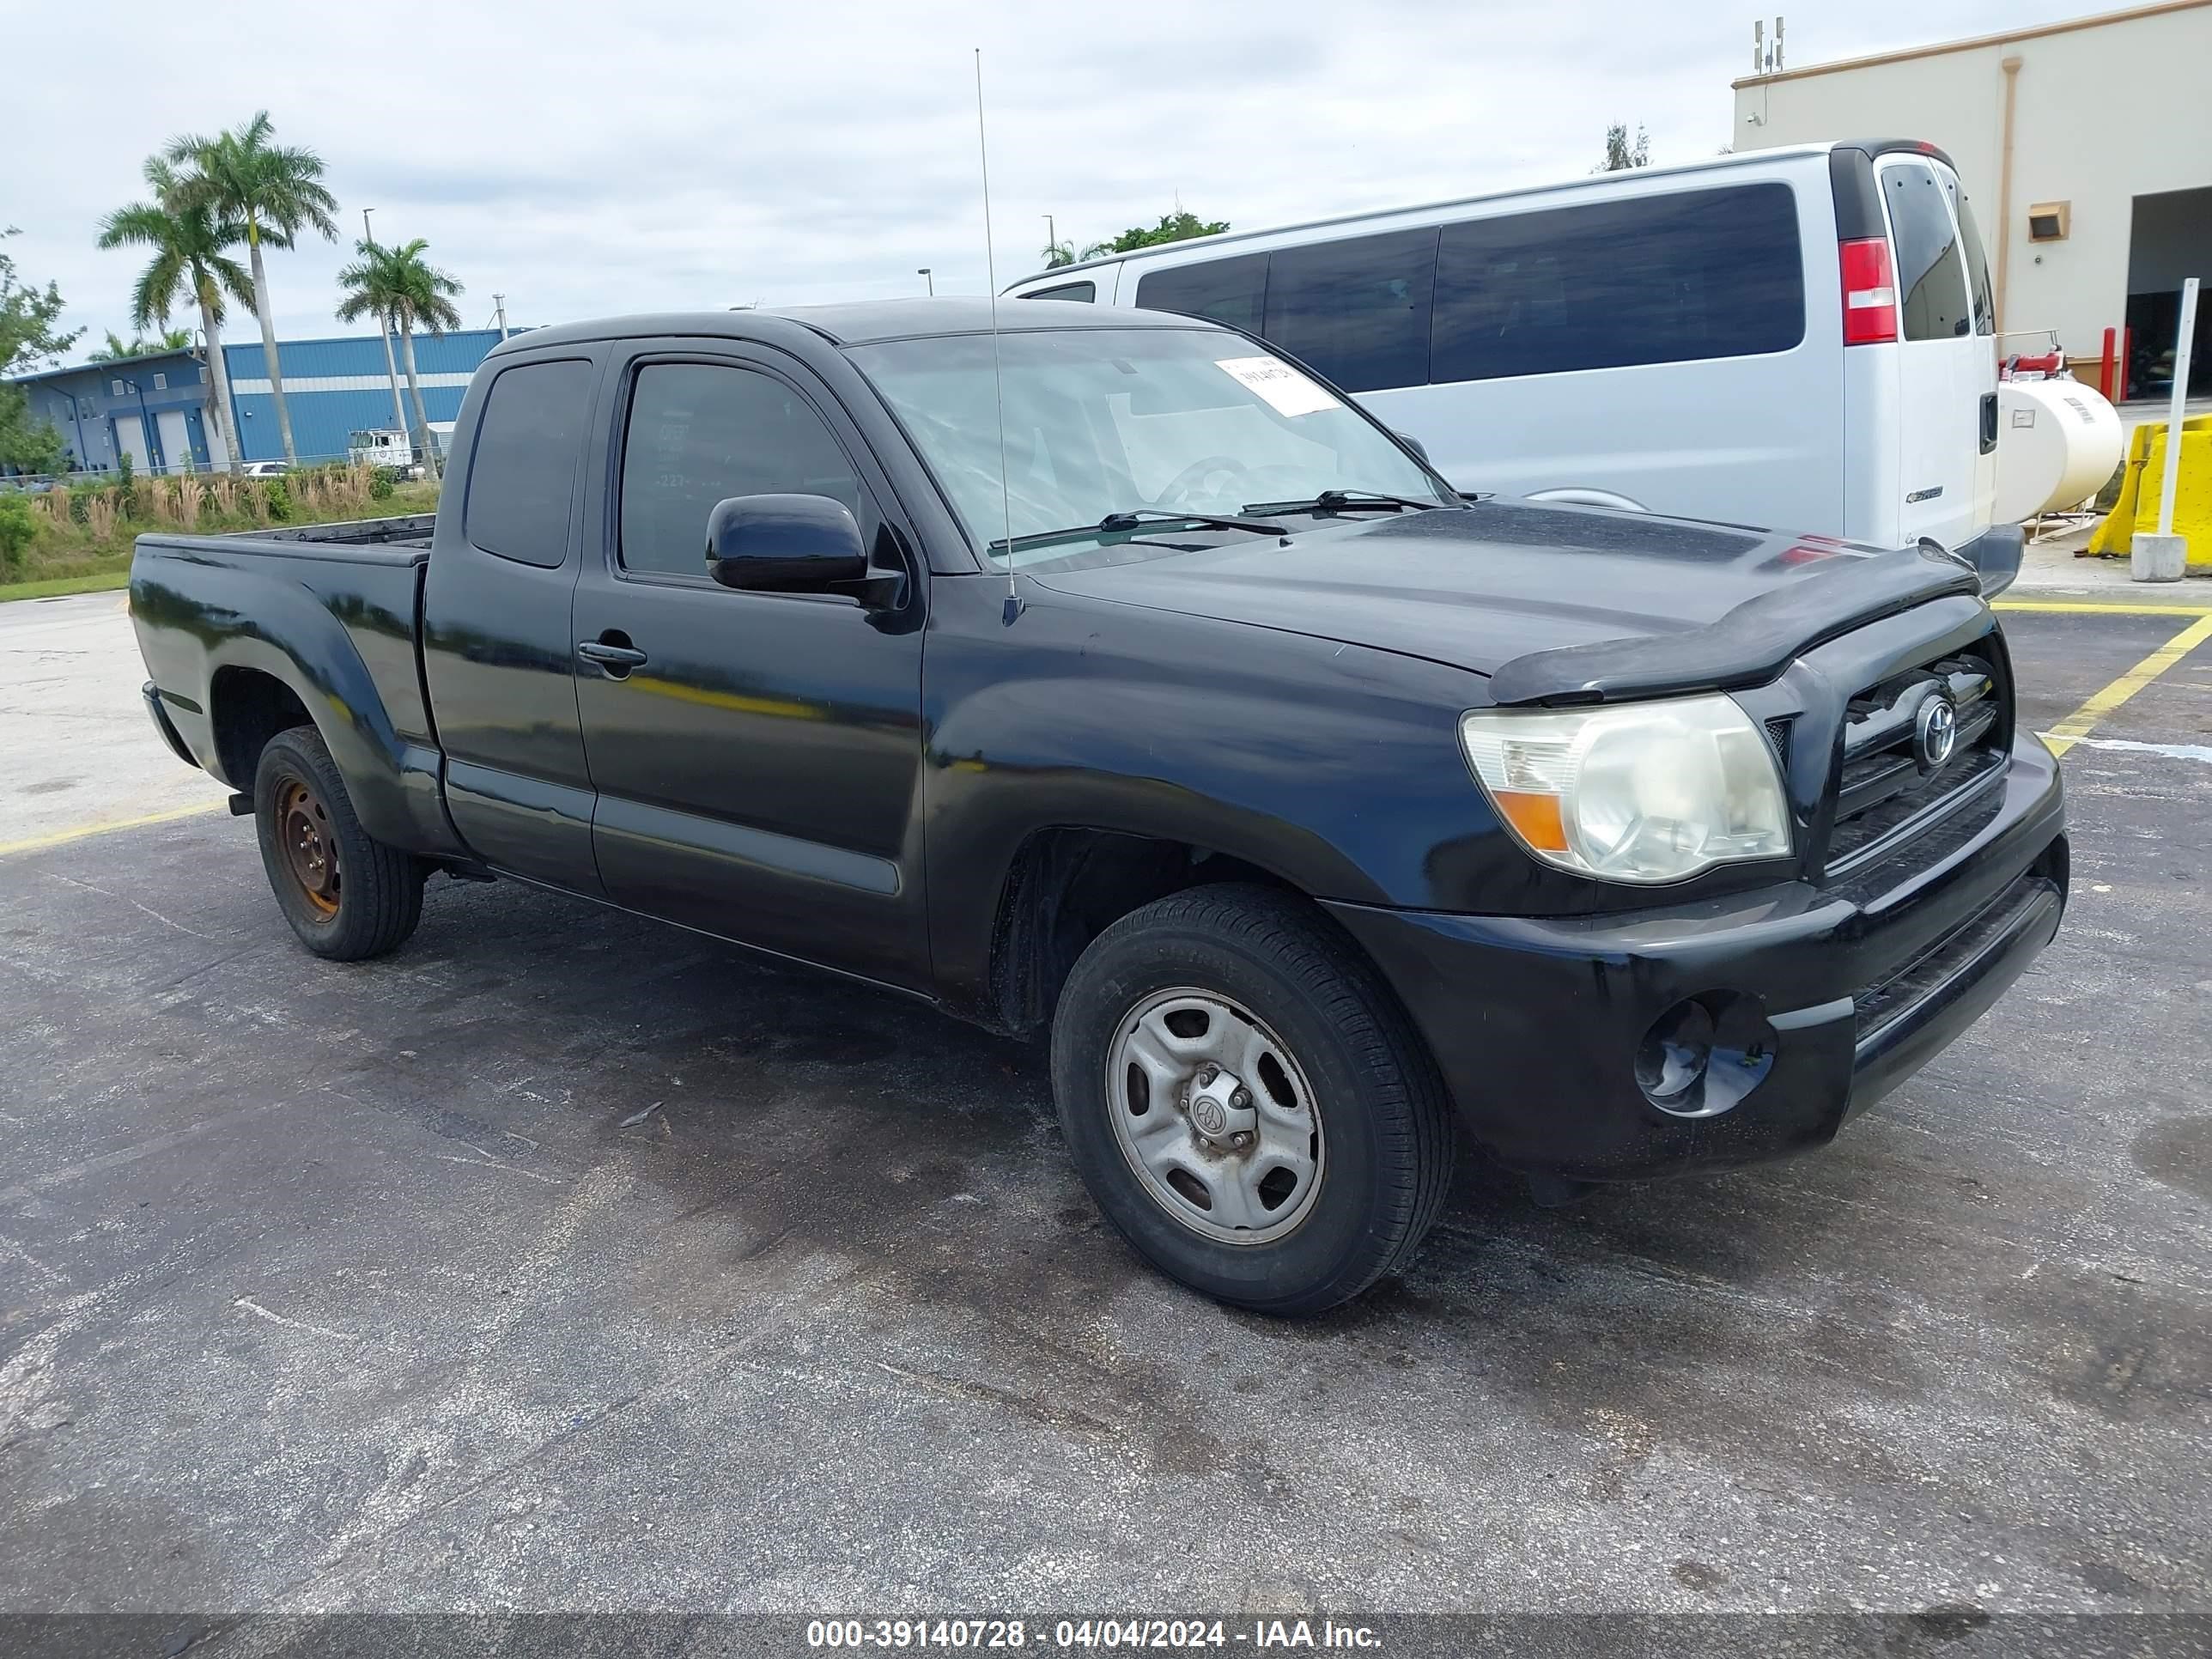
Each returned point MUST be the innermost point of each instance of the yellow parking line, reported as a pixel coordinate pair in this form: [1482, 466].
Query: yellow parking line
[2090, 607]
[2079, 723]
[108, 826]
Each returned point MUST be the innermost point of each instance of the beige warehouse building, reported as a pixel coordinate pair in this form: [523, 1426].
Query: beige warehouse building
[2086, 147]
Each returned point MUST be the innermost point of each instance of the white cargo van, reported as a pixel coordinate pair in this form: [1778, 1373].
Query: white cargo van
[1800, 337]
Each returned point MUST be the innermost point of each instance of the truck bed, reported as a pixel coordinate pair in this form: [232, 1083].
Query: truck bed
[328, 615]
[411, 531]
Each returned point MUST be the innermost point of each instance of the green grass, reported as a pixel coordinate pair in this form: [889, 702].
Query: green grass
[100, 581]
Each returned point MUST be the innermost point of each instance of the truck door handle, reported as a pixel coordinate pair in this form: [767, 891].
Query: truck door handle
[1989, 422]
[613, 652]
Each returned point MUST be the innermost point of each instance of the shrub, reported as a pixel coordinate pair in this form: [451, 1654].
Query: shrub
[380, 485]
[276, 495]
[17, 527]
[123, 470]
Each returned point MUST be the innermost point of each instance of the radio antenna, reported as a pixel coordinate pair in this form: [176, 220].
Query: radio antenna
[998, 379]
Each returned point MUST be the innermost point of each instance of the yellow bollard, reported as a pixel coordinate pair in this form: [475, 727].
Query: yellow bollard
[2138, 506]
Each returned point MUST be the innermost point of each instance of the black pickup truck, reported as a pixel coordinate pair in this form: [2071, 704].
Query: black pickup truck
[1111, 675]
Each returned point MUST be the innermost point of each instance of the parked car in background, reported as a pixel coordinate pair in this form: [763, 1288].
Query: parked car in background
[1798, 336]
[265, 468]
[1320, 815]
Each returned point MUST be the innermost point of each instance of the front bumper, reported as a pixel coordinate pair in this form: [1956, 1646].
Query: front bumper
[1536, 1022]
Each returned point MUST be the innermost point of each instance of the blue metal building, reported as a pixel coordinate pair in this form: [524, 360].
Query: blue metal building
[335, 387]
[154, 408]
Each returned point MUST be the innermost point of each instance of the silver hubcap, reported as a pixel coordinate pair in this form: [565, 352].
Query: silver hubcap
[1214, 1116]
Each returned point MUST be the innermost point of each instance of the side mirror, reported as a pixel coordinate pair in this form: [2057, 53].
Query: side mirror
[785, 545]
[1414, 444]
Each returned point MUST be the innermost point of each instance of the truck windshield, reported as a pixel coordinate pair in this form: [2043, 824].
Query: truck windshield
[1103, 421]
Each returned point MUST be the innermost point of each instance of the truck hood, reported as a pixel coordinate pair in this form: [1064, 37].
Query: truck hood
[1556, 604]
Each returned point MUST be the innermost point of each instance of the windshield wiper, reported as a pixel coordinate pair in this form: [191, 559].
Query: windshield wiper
[1135, 518]
[1338, 501]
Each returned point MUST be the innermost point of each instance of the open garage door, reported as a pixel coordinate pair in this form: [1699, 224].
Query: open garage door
[2170, 239]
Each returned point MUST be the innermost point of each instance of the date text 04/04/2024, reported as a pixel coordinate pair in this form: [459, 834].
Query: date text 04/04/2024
[1131, 1633]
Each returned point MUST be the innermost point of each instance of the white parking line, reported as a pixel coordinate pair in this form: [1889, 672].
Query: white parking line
[2190, 752]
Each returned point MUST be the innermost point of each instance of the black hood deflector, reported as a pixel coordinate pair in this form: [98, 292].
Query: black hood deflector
[1746, 646]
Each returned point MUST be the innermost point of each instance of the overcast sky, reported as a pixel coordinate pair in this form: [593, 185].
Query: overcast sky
[644, 155]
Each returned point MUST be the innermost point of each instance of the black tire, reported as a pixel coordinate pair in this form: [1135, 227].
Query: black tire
[367, 897]
[1386, 1123]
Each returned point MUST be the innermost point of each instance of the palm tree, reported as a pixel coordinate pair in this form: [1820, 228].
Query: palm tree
[398, 284]
[275, 190]
[170, 339]
[191, 244]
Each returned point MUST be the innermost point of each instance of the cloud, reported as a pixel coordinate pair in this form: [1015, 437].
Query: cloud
[583, 159]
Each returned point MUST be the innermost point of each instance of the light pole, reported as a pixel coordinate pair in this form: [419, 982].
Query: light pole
[1051, 239]
[922, 271]
[391, 362]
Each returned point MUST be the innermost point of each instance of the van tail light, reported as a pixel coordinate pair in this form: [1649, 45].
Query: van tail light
[1869, 292]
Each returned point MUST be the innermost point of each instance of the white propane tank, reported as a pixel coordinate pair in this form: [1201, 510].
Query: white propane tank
[2057, 442]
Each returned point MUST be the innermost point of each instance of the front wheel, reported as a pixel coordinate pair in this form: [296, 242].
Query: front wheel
[1246, 1101]
[347, 895]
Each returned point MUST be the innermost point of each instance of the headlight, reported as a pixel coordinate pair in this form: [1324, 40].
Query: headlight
[1645, 792]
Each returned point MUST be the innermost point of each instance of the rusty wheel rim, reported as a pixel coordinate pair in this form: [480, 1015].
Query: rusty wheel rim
[311, 853]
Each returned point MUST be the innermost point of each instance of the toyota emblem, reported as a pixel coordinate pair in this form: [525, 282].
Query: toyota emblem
[1206, 1113]
[1934, 733]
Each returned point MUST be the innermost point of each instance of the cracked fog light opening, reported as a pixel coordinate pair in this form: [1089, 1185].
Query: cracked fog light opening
[1703, 1055]
[1672, 1058]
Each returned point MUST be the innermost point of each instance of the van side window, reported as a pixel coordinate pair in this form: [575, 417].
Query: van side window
[524, 467]
[1233, 291]
[700, 433]
[1676, 277]
[1086, 293]
[1357, 310]
[1931, 276]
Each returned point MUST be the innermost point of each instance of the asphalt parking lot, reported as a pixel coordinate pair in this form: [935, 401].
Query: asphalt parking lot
[568, 1262]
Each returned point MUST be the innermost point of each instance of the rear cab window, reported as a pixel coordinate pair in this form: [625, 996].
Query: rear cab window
[1083, 293]
[522, 471]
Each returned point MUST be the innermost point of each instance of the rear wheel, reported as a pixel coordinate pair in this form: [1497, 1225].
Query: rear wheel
[347, 895]
[1246, 1101]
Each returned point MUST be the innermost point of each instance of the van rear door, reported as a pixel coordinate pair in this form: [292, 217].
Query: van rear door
[1983, 362]
[1944, 367]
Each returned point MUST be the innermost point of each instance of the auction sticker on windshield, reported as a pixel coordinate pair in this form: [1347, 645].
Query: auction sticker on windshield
[1286, 391]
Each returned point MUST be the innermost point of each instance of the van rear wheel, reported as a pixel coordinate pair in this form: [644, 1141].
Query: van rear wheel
[1246, 1101]
[347, 896]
